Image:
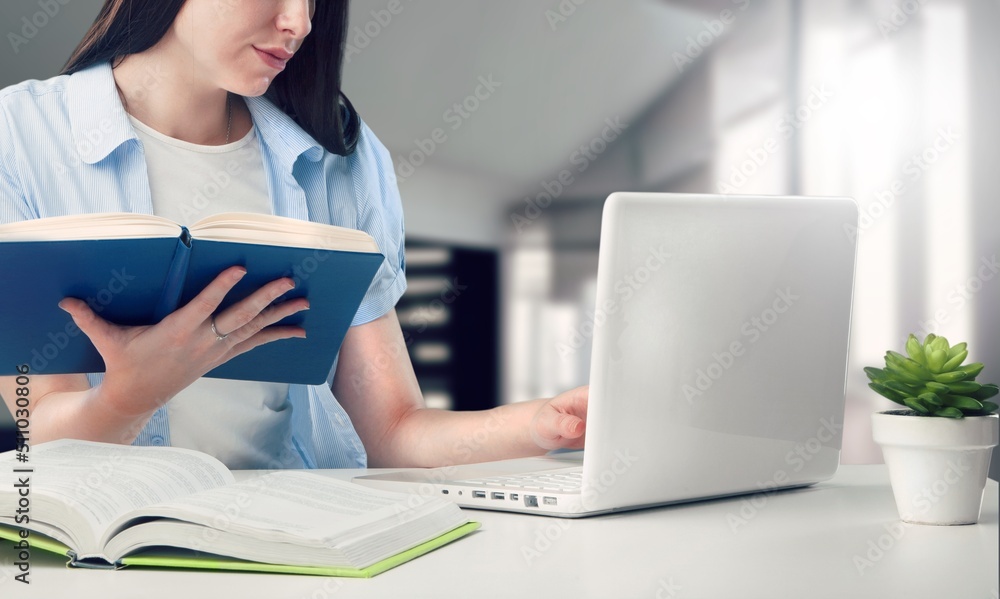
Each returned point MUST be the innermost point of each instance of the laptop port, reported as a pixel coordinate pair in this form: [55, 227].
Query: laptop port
[513, 496]
[496, 495]
[479, 494]
[549, 500]
[530, 501]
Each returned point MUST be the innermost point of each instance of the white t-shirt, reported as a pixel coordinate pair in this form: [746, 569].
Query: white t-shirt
[242, 423]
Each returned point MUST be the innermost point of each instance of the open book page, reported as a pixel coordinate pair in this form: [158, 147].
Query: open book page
[99, 481]
[105, 225]
[307, 509]
[267, 229]
[393, 537]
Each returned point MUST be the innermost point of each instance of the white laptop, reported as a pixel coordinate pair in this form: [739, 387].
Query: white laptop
[719, 369]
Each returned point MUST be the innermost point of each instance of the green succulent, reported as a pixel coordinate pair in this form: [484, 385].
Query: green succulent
[932, 380]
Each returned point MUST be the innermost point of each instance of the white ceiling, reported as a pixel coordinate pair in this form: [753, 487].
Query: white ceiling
[608, 59]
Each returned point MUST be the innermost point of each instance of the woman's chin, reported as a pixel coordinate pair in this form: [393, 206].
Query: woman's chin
[252, 87]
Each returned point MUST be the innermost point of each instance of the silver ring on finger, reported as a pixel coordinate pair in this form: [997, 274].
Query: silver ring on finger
[218, 336]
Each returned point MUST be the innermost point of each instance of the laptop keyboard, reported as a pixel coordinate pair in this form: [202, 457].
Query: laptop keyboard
[563, 481]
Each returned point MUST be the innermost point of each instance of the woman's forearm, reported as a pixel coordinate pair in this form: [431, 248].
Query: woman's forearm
[427, 437]
[378, 389]
[83, 415]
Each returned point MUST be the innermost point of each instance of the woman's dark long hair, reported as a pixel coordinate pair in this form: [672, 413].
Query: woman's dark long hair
[304, 90]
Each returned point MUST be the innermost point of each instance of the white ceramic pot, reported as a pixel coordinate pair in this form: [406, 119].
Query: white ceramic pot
[937, 466]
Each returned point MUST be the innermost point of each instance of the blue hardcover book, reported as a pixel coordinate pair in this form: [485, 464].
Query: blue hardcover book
[136, 269]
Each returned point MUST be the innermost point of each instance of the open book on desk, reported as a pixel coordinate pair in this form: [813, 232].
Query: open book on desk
[135, 269]
[113, 506]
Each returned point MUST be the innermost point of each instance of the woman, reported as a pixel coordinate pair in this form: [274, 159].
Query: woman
[163, 99]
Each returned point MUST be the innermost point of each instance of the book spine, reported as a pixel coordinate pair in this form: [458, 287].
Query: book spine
[174, 284]
[90, 563]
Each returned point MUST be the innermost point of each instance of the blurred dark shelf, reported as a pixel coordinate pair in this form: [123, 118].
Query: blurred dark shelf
[452, 299]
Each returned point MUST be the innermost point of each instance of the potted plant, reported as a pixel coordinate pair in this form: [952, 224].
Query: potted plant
[937, 449]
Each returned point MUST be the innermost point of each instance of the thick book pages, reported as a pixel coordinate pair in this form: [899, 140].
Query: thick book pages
[135, 269]
[112, 506]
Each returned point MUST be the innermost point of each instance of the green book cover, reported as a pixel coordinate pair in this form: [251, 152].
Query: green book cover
[37, 540]
[183, 559]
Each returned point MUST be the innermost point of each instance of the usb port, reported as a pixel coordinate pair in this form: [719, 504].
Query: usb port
[549, 500]
[496, 495]
[479, 494]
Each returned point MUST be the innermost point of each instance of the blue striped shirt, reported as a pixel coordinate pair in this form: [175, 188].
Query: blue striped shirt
[67, 147]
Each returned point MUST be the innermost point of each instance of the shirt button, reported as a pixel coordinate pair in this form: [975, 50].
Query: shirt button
[157, 440]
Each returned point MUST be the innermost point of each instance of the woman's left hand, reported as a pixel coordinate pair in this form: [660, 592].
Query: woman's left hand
[561, 422]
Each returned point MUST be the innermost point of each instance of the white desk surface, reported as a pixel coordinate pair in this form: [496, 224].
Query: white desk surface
[800, 543]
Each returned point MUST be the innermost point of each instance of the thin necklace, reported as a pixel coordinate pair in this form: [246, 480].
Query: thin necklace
[229, 109]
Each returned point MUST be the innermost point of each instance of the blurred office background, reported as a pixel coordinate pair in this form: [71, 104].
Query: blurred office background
[510, 122]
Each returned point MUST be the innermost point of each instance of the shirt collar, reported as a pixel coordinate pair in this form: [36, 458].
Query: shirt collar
[96, 114]
[100, 123]
[281, 133]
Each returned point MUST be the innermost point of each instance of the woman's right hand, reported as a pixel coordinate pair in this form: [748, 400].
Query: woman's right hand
[145, 366]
